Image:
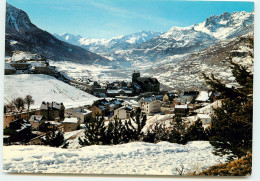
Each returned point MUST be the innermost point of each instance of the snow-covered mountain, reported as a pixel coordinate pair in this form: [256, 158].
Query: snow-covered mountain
[183, 40]
[22, 35]
[108, 45]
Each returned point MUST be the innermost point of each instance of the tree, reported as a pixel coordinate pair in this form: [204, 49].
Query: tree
[28, 101]
[19, 103]
[177, 133]
[231, 130]
[94, 132]
[196, 131]
[53, 138]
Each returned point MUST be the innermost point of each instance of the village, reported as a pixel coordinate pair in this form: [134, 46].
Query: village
[117, 100]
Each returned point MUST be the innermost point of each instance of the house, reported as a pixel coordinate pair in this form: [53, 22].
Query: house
[21, 130]
[54, 125]
[165, 98]
[38, 140]
[52, 110]
[203, 97]
[150, 105]
[12, 116]
[81, 113]
[118, 92]
[70, 124]
[9, 70]
[36, 121]
[181, 110]
[123, 112]
[205, 119]
[144, 84]
[97, 110]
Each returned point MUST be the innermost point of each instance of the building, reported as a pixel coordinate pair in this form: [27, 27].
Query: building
[203, 97]
[144, 84]
[36, 121]
[149, 105]
[9, 70]
[123, 112]
[205, 119]
[118, 92]
[12, 116]
[52, 110]
[70, 124]
[81, 113]
[181, 110]
[38, 140]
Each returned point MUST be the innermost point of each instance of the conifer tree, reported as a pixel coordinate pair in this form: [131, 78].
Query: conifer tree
[231, 130]
[94, 131]
[53, 138]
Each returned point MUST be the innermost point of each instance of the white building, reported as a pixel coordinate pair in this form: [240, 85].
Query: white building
[70, 124]
[148, 105]
[205, 119]
[36, 121]
[123, 112]
[204, 96]
[82, 114]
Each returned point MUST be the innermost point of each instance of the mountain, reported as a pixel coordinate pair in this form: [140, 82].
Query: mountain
[22, 35]
[183, 40]
[187, 71]
[69, 38]
[110, 45]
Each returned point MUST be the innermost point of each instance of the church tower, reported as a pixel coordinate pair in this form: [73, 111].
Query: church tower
[135, 75]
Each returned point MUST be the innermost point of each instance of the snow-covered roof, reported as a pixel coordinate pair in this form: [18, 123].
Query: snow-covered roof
[82, 111]
[203, 116]
[71, 120]
[185, 106]
[203, 96]
[36, 118]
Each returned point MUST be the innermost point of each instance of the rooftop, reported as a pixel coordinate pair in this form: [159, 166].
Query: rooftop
[71, 120]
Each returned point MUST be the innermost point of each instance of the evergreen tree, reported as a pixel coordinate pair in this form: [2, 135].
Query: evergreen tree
[94, 131]
[196, 132]
[177, 133]
[231, 130]
[54, 138]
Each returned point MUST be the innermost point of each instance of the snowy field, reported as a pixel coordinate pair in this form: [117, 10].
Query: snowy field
[44, 88]
[132, 158]
[94, 72]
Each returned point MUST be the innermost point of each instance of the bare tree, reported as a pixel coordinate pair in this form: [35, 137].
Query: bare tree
[19, 103]
[28, 101]
[180, 170]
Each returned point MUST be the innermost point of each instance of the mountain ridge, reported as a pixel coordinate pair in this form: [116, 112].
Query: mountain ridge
[23, 35]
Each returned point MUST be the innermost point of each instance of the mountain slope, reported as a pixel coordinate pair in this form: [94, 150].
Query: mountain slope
[21, 34]
[186, 73]
[44, 88]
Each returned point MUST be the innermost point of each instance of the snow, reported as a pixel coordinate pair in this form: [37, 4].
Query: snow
[181, 106]
[71, 120]
[203, 96]
[44, 88]
[133, 158]
[24, 56]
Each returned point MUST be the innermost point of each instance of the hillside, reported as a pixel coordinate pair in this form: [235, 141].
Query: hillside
[44, 88]
[22, 35]
[187, 71]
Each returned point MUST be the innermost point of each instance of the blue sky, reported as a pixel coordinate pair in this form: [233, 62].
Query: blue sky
[111, 18]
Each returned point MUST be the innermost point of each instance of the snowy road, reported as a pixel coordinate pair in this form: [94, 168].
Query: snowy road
[132, 158]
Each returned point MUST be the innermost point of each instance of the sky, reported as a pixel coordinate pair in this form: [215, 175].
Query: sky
[112, 18]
